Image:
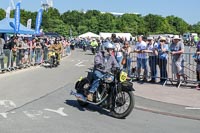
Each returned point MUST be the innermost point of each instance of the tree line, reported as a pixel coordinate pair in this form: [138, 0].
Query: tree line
[77, 22]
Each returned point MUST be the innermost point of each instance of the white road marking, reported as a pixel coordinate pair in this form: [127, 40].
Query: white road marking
[59, 111]
[46, 117]
[5, 115]
[192, 108]
[79, 64]
[7, 104]
[33, 114]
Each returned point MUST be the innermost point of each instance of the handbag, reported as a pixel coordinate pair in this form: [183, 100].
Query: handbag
[1, 56]
[123, 61]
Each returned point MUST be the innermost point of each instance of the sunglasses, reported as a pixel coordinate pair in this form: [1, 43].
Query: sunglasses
[162, 41]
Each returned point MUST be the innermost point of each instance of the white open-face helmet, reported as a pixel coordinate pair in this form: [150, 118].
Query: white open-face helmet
[109, 45]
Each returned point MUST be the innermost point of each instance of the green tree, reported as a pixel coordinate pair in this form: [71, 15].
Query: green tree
[72, 18]
[156, 24]
[178, 24]
[2, 14]
[196, 28]
[106, 22]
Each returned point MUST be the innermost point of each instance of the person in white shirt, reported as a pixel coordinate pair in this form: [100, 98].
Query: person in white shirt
[142, 58]
[153, 55]
[118, 53]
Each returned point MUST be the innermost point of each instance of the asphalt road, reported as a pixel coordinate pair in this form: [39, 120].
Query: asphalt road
[37, 100]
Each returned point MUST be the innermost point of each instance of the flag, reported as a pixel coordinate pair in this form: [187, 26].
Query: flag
[8, 12]
[17, 17]
[38, 21]
[29, 23]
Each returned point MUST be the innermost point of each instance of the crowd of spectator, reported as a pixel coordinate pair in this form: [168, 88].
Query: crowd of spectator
[22, 52]
[150, 52]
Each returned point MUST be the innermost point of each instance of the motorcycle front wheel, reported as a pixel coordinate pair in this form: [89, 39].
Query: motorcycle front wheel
[123, 104]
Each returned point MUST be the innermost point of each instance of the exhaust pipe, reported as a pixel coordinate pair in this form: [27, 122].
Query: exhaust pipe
[84, 99]
[78, 96]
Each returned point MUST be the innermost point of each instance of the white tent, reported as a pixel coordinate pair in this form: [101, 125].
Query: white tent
[89, 34]
[121, 35]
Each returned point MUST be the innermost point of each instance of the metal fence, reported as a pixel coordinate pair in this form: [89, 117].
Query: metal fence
[188, 77]
[24, 58]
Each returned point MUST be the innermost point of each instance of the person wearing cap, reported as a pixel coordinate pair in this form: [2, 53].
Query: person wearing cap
[162, 49]
[177, 50]
[153, 55]
[142, 58]
[102, 63]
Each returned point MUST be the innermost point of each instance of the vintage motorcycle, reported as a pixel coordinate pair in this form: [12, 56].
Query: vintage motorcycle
[94, 50]
[84, 47]
[52, 59]
[114, 95]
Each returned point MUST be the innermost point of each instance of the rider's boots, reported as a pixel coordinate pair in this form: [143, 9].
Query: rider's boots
[90, 97]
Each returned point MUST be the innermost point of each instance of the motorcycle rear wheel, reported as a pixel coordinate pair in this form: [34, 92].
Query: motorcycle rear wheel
[83, 85]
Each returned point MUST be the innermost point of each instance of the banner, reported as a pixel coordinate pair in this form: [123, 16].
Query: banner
[17, 17]
[29, 23]
[38, 21]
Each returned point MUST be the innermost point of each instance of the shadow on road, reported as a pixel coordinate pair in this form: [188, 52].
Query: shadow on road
[89, 54]
[90, 107]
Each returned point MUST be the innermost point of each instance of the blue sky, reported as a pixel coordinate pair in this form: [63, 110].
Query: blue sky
[188, 10]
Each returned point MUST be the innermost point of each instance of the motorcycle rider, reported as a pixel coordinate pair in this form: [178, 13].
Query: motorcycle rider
[102, 63]
[58, 49]
[94, 44]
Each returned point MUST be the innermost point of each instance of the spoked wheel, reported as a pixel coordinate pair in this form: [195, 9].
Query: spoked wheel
[124, 104]
[51, 62]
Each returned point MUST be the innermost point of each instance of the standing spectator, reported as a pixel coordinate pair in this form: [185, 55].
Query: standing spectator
[38, 53]
[197, 60]
[9, 50]
[141, 58]
[126, 55]
[21, 52]
[68, 50]
[162, 59]
[153, 55]
[2, 42]
[118, 53]
[177, 50]
[26, 52]
[32, 50]
[46, 47]
[196, 39]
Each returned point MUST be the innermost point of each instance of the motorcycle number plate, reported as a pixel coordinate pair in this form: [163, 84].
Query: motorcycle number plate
[123, 76]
